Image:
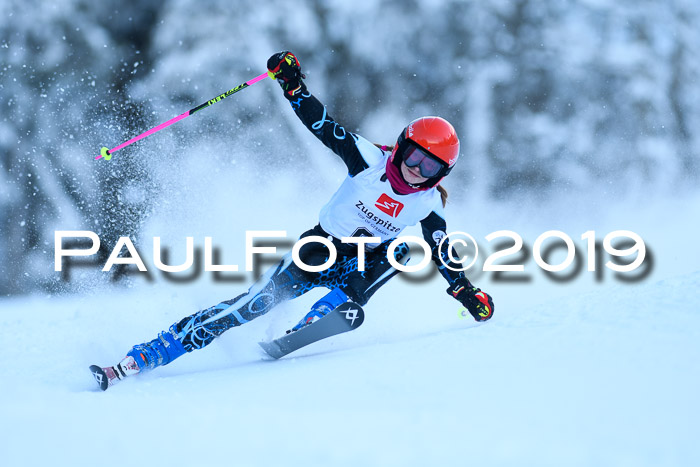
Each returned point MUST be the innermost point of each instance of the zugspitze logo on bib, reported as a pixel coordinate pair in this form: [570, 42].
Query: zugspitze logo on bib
[388, 205]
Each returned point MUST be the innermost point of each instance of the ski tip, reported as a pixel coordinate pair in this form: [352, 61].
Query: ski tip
[353, 313]
[100, 377]
[272, 349]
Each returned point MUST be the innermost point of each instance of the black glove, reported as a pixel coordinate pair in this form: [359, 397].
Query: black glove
[478, 303]
[286, 69]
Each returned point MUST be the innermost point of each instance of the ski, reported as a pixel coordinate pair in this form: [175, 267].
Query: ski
[105, 377]
[110, 375]
[344, 318]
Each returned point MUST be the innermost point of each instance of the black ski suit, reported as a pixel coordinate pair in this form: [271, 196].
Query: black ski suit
[286, 280]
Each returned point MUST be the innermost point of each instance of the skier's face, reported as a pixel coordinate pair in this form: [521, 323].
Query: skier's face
[412, 174]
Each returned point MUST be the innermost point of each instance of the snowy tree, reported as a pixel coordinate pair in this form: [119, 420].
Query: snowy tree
[551, 99]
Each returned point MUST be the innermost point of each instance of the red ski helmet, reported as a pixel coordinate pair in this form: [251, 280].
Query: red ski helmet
[431, 142]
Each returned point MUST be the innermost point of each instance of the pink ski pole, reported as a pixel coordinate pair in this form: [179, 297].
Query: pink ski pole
[107, 153]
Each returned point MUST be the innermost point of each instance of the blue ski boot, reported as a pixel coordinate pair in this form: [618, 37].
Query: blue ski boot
[321, 308]
[160, 351]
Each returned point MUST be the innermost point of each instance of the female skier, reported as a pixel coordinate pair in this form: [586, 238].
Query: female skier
[386, 190]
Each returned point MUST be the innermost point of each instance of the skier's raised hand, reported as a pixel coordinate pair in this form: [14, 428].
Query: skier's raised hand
[286, 69]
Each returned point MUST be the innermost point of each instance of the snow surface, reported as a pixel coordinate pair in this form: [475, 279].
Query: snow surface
[562, 108]
[582, 373]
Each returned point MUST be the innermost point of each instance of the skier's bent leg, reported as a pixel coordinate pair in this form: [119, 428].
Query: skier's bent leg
[196, 331]
[348, 283]
[360, 286]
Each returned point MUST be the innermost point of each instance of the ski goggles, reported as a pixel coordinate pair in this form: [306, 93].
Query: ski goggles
[429, 166]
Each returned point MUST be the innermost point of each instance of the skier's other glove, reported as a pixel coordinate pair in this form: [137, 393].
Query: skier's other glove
[478, 303]
[286, 69]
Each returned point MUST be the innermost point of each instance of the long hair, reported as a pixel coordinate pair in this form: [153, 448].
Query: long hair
[440, 188]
